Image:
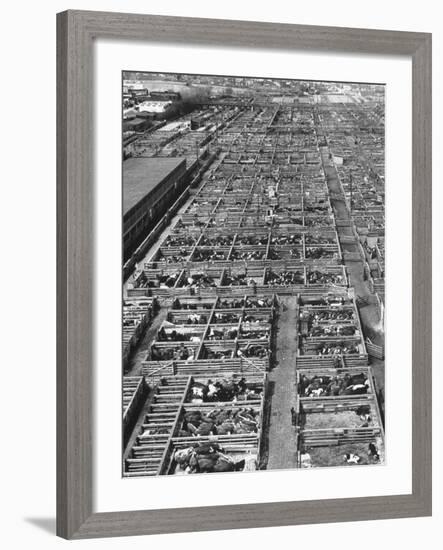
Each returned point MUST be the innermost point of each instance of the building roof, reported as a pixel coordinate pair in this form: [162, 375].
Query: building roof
[141, 175]
[134, 121]
[145, 114]
[155, 106]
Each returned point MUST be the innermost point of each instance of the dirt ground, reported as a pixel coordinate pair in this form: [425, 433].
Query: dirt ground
[342, 419]
[334, 456]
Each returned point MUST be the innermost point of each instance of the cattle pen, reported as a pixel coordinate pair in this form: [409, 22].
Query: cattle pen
[253, 306]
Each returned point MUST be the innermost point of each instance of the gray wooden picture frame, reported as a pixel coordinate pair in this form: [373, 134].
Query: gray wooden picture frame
[76, 32]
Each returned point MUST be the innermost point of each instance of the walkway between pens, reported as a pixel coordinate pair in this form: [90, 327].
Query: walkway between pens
[281, 433]
[135, 365]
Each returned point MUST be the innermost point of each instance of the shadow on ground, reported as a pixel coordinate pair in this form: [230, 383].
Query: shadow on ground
[45, 524]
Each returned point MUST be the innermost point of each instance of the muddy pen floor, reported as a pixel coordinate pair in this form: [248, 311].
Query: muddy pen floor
[332, 420]
[331, 456]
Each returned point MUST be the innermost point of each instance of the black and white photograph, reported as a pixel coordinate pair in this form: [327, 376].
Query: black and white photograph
[229, 312]
[253, 275]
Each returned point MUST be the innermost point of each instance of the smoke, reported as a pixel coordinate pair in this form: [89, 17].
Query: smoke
[195, 94]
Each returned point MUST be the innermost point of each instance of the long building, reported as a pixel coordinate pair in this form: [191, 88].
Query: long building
[150, 185]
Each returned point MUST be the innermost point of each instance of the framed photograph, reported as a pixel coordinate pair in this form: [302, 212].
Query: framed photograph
[244, 274]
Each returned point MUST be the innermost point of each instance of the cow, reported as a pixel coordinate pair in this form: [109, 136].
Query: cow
[351, 458]
[373, 452]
